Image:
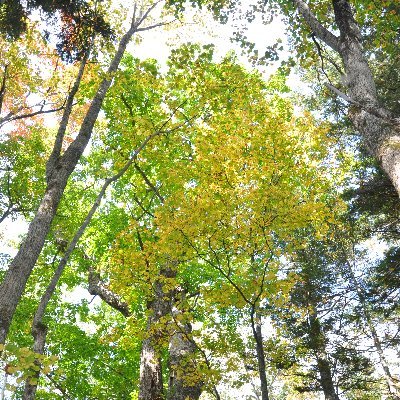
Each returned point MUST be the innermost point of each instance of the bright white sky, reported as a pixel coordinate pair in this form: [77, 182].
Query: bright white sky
[200, 27]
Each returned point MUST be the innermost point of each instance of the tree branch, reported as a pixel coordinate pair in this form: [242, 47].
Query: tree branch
[3, 86]
[55, 154]
[319, 30]
[379, 112]
[148, 182]
[97, 288]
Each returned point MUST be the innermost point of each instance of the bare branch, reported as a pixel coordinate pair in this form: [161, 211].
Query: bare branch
[3, 86]
[13, 117]
[143, 17]
[149, 183]
[147, 28]
[97, 288]
[379, 112]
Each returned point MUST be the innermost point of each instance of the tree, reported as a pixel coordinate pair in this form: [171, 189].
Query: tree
[78, 21]
[377, 123]
[249, 145]
[58, 169]
[324, 357]
[203, 207]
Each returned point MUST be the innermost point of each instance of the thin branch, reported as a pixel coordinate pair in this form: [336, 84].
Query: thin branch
[148, 182]
[140, 204]
[58, 387]
[147, 28]
[378, 112]
[142, 18]
[3, 86]
[12, 117]
[129, 107]
[218, 268]
[260, 292]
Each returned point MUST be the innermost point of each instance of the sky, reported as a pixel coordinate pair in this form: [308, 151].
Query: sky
[200, 27]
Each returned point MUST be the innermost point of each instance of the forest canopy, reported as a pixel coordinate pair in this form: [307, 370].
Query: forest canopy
[219, 224]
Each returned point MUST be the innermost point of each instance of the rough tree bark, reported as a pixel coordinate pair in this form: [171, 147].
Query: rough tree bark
[151, 385]
[59, 168]
[184, 382]
[377, 125]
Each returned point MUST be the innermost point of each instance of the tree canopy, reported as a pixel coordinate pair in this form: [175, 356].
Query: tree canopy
[196, 228]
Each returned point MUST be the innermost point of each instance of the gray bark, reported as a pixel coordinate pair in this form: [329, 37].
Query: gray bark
[377, 126]
[96, 288]
[257, 334]
[59, 168]
[151, 385]
[184, 383]
[379, 135]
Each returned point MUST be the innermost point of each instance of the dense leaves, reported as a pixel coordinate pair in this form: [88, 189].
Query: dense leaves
[74, 21]
[231, 240]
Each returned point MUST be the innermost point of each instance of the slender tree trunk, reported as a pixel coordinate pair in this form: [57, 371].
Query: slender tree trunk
[257, 334]
[325, 374]
[58, 172]
[39, 332]
[39, 329]
[391, 383]
[318, 344]
[323, 364]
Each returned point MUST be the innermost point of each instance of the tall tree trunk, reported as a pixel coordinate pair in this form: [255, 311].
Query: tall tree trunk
[325, 374]
[392, 385]
[59, 169]
[151, 385]
[380, 137]
[257, 334]
[184, 382]
[378, 127]
[39, 332]
[318, 345]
